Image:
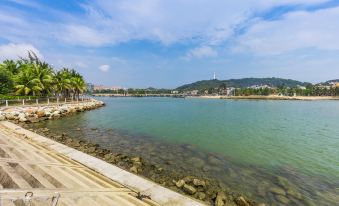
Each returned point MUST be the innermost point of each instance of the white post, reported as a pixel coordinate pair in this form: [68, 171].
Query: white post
[57, 100]
[37, 101]
[72, 98]
[48, 101]
[82, 98]
[23, 102]
[6, 103]
[65, 100]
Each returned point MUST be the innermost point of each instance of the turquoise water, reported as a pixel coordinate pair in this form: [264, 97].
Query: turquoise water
[300, 137]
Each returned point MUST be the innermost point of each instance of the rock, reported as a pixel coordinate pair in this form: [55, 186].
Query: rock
[242, 202]
[109, 157]
[2, 117]
[189, 189]
[10, 116]
[91, 149]
[48, 114]
[180, 183]
[197, 162]
[32, 119]
[294, 193]
[201, 195]
[278, 191]
[188, 179]
[198, 182]
[160, 169]
[134, 169]
[213, 160]
[283, 182]
[22, 119]
[40, 113]
[56, 112]
[282, 199]
[136, 159]
[220, 199]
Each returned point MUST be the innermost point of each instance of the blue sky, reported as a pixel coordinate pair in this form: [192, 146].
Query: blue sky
[166, 43]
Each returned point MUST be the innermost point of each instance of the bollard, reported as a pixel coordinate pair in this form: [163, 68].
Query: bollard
[57, 100]
[23, 102]
[6, 103]
[37, 101]
[48, 101]
[82, 99]
[65, 100]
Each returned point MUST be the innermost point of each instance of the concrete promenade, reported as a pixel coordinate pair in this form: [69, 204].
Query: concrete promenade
[39, 171]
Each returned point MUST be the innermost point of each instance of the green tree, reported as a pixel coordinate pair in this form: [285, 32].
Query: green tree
[6, 81]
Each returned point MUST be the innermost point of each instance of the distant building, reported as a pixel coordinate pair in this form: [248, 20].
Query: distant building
[230, 91]
[111, 88]
[194, 92]
[90, 87]
[324, 86]
[175, 92]
[301, 87]
[260, 87]
[334, 84]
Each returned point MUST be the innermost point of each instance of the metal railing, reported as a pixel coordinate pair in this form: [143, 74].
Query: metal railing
[42, 101]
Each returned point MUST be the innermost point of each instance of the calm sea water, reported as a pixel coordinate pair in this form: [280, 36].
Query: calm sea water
[256, 140]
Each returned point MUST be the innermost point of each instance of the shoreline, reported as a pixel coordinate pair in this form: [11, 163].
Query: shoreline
[270, 97]
[250, 97]
[201, 189]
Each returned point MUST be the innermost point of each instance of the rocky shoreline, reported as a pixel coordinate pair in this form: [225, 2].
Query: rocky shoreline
[204, 189]
[34, 114]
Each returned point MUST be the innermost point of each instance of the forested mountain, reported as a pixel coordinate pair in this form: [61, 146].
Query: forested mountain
[240, 83]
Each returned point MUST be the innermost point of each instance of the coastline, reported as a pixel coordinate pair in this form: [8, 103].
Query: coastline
[270, 97]
[250, 97]
[202, 189]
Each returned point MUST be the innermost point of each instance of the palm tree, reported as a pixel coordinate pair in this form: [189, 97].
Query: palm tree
[25, 81]
[11, 66]
[78, 84]
[62, 82]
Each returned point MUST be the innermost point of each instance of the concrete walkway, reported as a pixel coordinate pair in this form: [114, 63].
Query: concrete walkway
[48, 173]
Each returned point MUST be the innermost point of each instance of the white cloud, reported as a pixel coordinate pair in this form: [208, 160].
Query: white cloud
[201, 52]
[14, 51]
[296, 30]
[104, 67]
[174, 21]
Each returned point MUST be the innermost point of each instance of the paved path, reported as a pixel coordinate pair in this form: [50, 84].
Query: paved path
[48, 173]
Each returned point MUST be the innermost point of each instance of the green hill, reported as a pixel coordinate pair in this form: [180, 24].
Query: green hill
[238, 83]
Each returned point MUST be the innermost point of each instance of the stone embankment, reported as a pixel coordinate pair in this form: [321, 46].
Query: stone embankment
[38, 113]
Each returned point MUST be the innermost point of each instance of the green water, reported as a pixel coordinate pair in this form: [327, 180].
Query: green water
[300, 137]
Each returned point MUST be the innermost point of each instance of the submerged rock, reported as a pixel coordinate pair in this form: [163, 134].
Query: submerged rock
[198, 182]
[189, 189]
[241, 201]
[282, 199]
[277, 191]
[180, 183]
[221, 199]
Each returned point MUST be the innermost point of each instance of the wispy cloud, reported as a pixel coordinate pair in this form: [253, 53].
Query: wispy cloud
[296, 30]
[104, 67]
[201, 52]
[15, 51]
